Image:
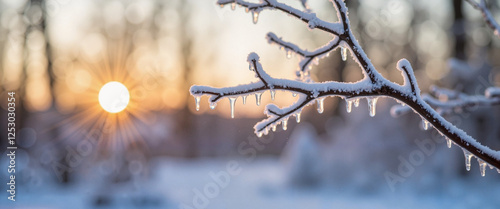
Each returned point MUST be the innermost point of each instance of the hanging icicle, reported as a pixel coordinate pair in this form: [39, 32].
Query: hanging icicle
[288, 54]
[197, 102]
[233, 6]
[321, 107]
[372, 103]
[232, 100]
[348, 105]
[285, 123]
[212, 105]
[356, 103]
[482, 167]
[257, 98]
[468, 157]
[273, 94]
[255, 17]
[448, 142]
[425, 124]
[343, 53]
[297, 117]
[244, 97]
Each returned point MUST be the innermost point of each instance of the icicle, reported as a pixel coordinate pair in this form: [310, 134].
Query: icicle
[285, 123]
[372, 103]
[233, 6]
[212, 105]
[348, 105]
[294, 94]
[468, 157]
[273, 128]
[425, 124]
[448, 142]
[297, 117]
[232, 100]
[343, 53]
[255, 16]
[257, 98]
[482, 167]
[498, 170]
[288, 54]
[320, 105]
[356, 103]
[221, 5]
[259, 134]
[247, 10]
[328, 54]
[273, 94]
[266, 131]
[244, 99]
[197, 102]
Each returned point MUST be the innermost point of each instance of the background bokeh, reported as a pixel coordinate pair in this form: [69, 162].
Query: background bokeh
[162, 153]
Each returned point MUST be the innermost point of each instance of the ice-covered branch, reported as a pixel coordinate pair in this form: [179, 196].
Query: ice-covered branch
[488, 17]
[305, 16]
[307, 58]
[371, 87]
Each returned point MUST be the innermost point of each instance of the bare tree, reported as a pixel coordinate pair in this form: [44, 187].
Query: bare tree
[371, 87]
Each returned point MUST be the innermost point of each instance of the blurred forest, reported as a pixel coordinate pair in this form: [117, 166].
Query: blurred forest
[56, 54]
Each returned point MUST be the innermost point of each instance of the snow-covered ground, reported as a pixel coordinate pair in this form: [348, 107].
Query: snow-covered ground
[261, 183]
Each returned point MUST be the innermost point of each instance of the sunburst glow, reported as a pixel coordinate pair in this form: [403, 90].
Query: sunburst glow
[114, 97]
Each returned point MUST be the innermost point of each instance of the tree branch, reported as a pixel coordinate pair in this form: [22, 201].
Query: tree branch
[372, 86]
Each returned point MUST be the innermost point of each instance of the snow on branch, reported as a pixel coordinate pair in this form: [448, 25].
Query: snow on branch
[488, 17]
[371, 87]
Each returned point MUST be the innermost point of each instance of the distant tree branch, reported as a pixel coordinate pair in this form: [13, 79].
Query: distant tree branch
[487, 16]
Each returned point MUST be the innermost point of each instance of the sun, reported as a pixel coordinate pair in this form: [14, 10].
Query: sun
[114, 97]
